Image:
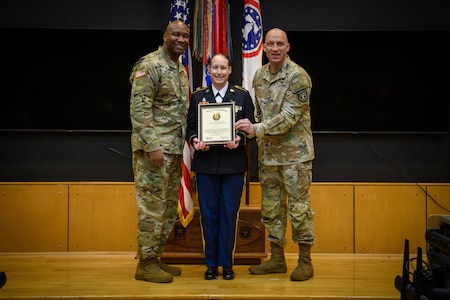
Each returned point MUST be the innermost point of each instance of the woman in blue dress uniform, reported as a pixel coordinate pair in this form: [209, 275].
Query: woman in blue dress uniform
[220, 169]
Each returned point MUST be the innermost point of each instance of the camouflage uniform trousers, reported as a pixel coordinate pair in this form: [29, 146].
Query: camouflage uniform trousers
[157, 201]
[292, 182]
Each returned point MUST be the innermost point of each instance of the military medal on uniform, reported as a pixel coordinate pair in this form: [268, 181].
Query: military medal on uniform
[216, 122]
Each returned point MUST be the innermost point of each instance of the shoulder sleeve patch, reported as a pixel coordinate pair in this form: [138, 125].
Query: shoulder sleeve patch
[302, 95]
[139, 73]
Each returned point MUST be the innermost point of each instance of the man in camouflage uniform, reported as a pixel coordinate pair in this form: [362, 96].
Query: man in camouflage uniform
[158, 111]
[286, 150]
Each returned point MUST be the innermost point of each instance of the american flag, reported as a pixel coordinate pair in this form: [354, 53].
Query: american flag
[179, 10]
[252, 36]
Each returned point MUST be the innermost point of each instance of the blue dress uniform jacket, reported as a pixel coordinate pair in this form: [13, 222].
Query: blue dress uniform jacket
[221, 160]
[220, 178]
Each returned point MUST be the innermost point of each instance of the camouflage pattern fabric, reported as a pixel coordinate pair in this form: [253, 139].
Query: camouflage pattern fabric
[159, 104]
[291, 182]
[282, 109]
[157, 201]
[285, 151]
[158, 111]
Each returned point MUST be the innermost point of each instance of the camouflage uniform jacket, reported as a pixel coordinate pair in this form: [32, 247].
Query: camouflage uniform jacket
[282, 110]
[159, 103]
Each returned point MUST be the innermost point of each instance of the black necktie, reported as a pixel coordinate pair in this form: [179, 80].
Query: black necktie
[218, 96]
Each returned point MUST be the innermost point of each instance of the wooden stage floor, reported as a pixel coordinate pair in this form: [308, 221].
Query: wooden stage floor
[111, 276]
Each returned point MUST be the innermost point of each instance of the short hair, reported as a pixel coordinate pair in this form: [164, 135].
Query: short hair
[220, 54]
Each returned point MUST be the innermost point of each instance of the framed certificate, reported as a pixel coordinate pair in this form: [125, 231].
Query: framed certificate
[216, 122]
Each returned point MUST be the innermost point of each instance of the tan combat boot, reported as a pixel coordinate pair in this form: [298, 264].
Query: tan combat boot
[276, 263]
[304, 270]
[175, 271]
[149, 270]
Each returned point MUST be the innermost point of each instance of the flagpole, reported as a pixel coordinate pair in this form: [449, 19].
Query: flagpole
[252, 35]
[180, 11]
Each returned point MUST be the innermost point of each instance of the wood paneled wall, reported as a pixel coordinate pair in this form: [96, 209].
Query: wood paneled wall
[349, 217]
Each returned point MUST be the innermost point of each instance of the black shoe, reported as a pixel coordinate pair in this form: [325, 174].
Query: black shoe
[2, 279]
[228, 273]
[211, 273]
